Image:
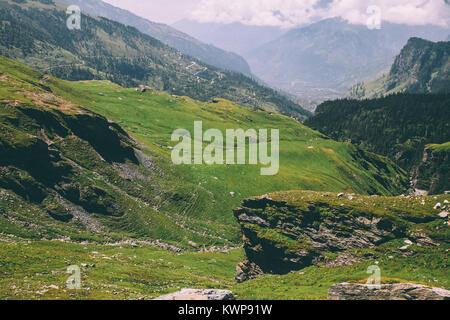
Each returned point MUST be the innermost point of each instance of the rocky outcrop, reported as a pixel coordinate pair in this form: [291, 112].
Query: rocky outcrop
[199, 294]
[279, 238]
[433, 172]
[400, 291]
[247, 270]
[323, 229]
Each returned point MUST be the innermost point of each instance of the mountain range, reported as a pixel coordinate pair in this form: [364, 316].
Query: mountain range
[88, 181]
[184, 43]
[324, 60]
[101, 156]
[36, 34]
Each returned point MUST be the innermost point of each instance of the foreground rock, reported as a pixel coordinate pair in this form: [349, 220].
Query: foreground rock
[199, 294]
[400, 291]
[289, 231]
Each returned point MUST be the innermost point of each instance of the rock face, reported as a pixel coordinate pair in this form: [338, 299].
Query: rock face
[433, 172]
[279, 237]
[294, 230]
[400, 291]
[198, 294]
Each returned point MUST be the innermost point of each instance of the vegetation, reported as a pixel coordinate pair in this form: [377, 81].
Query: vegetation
[184, 43]
[339, 256]
[37, 269]
[86, 179]
[399, 126]
[128, 186]
[35, 33]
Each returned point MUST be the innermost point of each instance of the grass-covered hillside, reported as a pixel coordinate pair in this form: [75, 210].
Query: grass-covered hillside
[72, 173]
[35, 32]
[37, 269]
[86, 179]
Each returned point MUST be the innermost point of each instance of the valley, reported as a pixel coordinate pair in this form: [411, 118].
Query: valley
[137, 161]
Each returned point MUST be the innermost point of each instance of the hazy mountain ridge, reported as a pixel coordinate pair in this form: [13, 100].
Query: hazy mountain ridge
[186, 44]
[323, 60]
[421, 67]
[35, 33]
[235, 37]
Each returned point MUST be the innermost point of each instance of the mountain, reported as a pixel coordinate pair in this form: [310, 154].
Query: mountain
[235, 37]
[400, 126]
[324, 60]
[36, 34]
[421, 67]
[101, 164]
[100, 192]
[166, 34]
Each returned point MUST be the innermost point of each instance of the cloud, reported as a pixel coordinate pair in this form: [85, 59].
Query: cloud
[290, 13]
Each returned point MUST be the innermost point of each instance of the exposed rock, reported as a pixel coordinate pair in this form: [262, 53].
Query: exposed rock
[279, 238]
[199, 294]
[193, 244]
[400, 291]
[437, 206]
[247, 270]
[294, 230]
[443, 214]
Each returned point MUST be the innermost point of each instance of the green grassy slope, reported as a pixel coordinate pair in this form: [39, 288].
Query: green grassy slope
[37, 269]
[36, 34]
[152, 198]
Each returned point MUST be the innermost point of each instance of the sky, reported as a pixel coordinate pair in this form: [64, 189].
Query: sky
[289, 13]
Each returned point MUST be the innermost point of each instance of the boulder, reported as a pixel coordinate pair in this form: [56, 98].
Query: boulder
[199, 295]
[399, 291]
[193, 244]
[443, 214]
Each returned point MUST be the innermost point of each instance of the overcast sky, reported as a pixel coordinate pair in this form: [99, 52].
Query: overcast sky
[288, 13]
